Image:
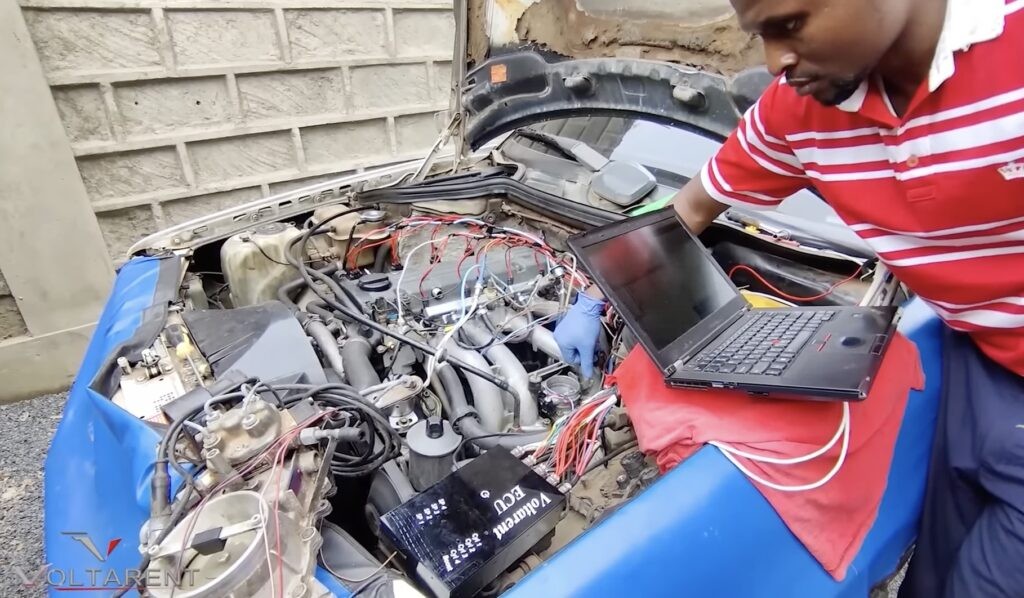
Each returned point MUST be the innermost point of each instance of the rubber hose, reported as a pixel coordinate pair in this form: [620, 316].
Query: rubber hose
[381, 257]
[466, 418]
[284, 293]
[341, 296]
[449, 381]
[435, 385]
[318, 331]
[320, 308]
[359, 371]
[486, 396]
[326, 278]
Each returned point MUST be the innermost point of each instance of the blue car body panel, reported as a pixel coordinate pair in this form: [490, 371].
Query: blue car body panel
[100, 461]
[702, 529]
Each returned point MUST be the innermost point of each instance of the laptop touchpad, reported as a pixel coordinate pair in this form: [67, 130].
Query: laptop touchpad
[840, 343]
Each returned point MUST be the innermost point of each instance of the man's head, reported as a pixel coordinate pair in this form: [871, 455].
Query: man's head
[825, 47]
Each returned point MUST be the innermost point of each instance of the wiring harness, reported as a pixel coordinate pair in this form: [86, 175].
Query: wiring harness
[575, 438]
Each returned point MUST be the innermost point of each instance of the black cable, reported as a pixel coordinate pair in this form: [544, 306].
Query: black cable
[384, 443]
[607, 458]
[159, 488]
[461, 341]
[380, 258]
[273, 391]
[549, 141]
[458, 449]
[500, 186]
[348, 241]
[265, 253]
[390, 367]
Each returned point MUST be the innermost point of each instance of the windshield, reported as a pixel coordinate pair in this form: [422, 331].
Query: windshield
[672, 154]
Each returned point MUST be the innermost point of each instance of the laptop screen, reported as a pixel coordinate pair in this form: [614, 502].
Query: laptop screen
[663, 277]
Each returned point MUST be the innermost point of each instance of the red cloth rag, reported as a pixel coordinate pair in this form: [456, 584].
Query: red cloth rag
[831, 521]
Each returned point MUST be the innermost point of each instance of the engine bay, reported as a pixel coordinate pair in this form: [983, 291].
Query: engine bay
[377, 390]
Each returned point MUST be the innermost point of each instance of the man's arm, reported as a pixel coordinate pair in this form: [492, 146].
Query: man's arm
[755, 168]
[696, 207]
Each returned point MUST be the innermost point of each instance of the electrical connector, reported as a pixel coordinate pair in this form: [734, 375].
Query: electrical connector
[312, 436]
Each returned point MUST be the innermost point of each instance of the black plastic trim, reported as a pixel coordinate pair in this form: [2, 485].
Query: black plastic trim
[511, 90]
[484, 187]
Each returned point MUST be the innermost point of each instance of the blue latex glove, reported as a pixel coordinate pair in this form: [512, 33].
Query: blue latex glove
[576, 334]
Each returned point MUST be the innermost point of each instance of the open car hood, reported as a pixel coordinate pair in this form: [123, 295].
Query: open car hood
[528, 60]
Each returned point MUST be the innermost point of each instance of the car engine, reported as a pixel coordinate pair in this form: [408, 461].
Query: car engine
[328, 391]
[376, 392]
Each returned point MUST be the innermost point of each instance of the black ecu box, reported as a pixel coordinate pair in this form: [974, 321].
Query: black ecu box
[462, 533]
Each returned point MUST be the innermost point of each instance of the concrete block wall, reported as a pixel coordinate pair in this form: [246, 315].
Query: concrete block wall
[178, 108]
[12, 324]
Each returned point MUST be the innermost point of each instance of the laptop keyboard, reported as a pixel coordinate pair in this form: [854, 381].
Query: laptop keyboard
[766, 345]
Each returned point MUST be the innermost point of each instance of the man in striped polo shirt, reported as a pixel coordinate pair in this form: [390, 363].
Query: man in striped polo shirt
[907, 116]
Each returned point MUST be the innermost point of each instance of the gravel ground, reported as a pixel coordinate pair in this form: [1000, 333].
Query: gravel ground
[25, 432]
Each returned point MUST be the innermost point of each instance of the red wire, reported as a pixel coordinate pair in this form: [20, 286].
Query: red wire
[277, 520]
[785, 295]
[394, 250]
[465, 255]
[508, 262]
[367, 237]
[484, 251]
[572, 444]
[354, 258]
[434, 260]
[423, 278]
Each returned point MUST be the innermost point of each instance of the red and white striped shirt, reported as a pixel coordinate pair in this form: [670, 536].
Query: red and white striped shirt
[937, 193]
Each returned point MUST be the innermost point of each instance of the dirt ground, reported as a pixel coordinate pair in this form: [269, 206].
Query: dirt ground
[702, 35]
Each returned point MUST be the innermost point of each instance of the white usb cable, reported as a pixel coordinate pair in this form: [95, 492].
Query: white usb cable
[844, 431]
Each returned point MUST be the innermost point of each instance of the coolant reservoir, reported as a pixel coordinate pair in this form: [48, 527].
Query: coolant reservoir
[255, 264]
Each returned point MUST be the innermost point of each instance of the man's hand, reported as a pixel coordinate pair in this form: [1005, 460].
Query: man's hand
[577, 332]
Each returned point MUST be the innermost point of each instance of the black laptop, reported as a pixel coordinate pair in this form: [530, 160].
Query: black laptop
[702, 333]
